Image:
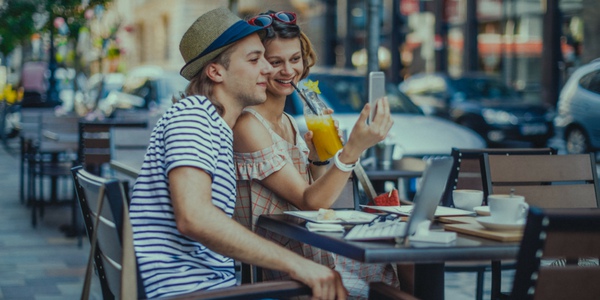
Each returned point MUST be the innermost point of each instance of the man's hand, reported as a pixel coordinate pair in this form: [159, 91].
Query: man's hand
[326, 284]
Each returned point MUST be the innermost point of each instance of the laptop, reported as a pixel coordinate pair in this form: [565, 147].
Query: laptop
[428, 196]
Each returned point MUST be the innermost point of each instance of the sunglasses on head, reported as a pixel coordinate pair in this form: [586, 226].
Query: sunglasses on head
[267, 20]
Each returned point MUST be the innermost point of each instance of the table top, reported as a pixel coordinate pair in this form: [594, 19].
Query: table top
[465, 248]
[118, 122]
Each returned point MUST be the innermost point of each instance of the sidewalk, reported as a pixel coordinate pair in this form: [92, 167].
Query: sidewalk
[42, 264]
[36, 263]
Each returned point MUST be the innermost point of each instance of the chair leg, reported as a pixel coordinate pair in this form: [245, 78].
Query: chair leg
[479, 289]
[496, 279]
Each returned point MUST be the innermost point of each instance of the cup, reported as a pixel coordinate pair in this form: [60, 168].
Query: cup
[467, 199]
[384, 155]
[325, 135]
[507, 208]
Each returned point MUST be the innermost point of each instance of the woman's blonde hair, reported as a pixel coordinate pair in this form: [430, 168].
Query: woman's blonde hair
[283, 30]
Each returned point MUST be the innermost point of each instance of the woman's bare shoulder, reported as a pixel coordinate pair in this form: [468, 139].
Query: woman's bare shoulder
[249, 134]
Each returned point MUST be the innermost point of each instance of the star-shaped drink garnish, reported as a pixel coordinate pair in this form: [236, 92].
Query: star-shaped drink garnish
[313, 86]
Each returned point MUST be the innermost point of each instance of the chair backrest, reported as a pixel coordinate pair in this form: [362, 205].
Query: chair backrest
[95, 147]
[466, 169]
[549, 181]
[566, 239]
[109, 246]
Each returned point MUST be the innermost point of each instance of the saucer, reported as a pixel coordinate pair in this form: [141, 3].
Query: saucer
[491, 224]
[482, 210]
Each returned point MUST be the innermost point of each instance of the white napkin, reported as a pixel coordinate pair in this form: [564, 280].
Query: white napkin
[311, 226]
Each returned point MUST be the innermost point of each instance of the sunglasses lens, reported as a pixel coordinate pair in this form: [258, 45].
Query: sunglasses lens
[262, 21]
[285, 16]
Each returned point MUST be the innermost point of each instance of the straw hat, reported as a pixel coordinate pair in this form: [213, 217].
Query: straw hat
[209, 36]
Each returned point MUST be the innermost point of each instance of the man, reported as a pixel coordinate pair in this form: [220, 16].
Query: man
[183, 200]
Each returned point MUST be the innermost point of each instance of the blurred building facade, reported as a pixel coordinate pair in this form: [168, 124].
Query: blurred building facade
[501, 37]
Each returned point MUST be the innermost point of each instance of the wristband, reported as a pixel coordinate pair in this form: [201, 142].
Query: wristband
[318, 163]
[342, 166]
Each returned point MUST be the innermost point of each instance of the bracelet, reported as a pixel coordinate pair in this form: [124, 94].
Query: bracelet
[318, 163]
[342, 166]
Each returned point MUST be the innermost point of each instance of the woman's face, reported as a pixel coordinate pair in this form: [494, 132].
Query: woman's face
[285, 56]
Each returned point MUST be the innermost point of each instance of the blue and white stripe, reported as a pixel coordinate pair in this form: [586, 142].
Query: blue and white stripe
[191, 133]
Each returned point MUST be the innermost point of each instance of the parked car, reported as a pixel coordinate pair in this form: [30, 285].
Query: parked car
[578, 118]
[146, 87]
[414, 133]
[484, 104]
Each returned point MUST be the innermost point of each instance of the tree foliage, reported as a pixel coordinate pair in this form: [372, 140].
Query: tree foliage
[17, 18]
[16, 23]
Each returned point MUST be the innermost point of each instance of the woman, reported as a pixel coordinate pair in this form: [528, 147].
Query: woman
[272, 160]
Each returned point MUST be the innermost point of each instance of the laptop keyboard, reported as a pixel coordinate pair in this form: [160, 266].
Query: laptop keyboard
[377, 231]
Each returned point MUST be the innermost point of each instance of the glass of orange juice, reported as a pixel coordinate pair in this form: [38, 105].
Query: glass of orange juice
[325, 135]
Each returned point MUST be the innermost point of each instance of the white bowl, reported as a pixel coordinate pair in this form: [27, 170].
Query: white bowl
[467, 199]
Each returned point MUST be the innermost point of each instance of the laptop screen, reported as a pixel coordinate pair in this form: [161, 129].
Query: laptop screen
[429, 193]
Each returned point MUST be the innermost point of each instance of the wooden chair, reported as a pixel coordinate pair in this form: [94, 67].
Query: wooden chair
[548, 181]
[566, 235]
[95, 147]
[466, 173]
[466, 170]
[114, 242]
[50, 156]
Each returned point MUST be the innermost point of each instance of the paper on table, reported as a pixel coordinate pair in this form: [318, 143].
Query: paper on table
[311, 226]
[441, 211]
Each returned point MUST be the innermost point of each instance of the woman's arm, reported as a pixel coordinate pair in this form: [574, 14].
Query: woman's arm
[288, 184]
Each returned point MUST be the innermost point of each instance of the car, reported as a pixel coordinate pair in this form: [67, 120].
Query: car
[413, 133]
[148, 87]
[578, 117]
[484, 104]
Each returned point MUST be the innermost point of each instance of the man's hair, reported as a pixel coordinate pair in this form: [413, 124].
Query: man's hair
[290, 31]
[201, 84]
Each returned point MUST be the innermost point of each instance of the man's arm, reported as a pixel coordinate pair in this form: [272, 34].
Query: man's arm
[199, 219]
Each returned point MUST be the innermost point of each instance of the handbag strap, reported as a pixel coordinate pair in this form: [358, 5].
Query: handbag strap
[365, 182]
[85, 294]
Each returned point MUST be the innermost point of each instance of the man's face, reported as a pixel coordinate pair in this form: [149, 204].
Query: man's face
[246, 77]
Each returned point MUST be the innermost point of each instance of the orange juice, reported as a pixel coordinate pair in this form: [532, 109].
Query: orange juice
[325, 135]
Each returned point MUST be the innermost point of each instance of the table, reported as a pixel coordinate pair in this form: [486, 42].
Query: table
[429, 258]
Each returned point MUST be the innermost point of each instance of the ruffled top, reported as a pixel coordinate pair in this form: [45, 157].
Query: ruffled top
[253, 199]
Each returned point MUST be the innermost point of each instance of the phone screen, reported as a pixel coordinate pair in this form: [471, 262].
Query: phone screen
[376, 90]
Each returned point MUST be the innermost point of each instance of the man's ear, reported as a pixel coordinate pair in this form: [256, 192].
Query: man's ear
[215, 72]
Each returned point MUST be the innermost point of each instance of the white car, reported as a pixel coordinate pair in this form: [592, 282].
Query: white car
[413, 133]
[578, 119]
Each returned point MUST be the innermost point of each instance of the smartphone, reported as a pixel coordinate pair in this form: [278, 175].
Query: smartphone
[376, 90]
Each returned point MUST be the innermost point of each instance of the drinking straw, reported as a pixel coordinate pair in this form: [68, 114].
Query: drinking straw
[308, 102]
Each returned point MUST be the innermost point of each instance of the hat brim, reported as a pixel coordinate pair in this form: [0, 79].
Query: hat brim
[191, 69]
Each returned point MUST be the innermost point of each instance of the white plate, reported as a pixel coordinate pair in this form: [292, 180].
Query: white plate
[343, 216]
[482, 210]
[491, 224]
[406, 210]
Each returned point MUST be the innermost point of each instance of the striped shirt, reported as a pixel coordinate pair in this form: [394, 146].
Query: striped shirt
[191, 133]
